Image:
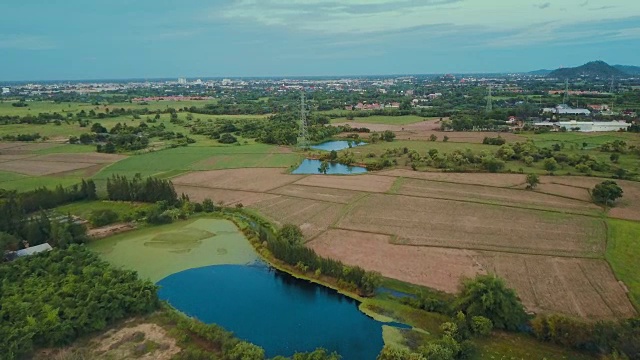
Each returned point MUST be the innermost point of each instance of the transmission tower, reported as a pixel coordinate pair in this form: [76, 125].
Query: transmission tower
[612, 83]
[565, 100]
[303, 135]
[489, 103]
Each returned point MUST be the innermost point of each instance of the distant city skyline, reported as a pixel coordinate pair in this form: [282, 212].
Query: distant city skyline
[77, 40]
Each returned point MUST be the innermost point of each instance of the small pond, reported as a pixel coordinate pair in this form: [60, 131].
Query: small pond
[338, 145]
[275, 310]
[309, 166]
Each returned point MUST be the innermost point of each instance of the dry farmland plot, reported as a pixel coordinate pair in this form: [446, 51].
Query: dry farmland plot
[580, 287]
[572, 192]
[492, 195]
[312, 216]
[39, 168]
[437, 268]
[259, 179]
[497, 180]
[367, 183]
[434, 222]
[91, 158]
[318, 193]
[224, 196]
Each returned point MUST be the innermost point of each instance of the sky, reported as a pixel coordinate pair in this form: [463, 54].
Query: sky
[115, 39]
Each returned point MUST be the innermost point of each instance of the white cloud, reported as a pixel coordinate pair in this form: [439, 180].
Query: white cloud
[26, 42]
[377, 16]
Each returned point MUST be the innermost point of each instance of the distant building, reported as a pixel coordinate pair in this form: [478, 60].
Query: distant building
[32, 250]
[586, 126]
[182, 81]
[599, 108]
[568, 110]
[6, 90]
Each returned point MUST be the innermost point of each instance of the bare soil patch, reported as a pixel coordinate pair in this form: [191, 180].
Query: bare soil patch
[312, 216]
[437, 268]
[25, 148]
[5, 158]
[498, 180]
[226, 197]
[91, 158]
[368, 183]
[493, 195]
[579, 287]
[257, 179]
[455, 136]
[121, 343]
[37, 168]
[105, 231]
[546, 284]
[318, 193]
[628, 207]
[443, 223]
[577, 193]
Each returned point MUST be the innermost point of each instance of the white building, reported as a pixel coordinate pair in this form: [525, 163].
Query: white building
[568, 110]
[587, 126]
[5, 90]
[182, 81]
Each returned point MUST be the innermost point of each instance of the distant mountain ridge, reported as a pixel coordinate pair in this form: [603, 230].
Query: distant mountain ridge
[591, 69]
[631, 70]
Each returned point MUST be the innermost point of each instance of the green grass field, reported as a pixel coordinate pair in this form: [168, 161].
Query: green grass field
[623, 253]
[85, 208]
[193, 158]
[379, 119]
[6, 176]
[30, 183]
[160, 251]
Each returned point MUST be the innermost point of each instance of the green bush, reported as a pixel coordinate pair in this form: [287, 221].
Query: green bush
[103, 217]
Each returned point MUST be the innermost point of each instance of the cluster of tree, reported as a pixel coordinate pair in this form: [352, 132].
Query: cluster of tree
[52, 298]
[605, 337]
[288, 246]
[21, 137]
[494, 141]
[19, 228]
[103, 217]
[40, 119]
[149, 190]
[475, 122]
[386, 135]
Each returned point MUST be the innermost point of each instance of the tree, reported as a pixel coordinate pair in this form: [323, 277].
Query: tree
[208, 206]
[291, 234]
[324, 167]
[492, 164]
[433, 137]
[614, 157]
[550, 164]
[98, 128]
[488, 296]
[333, 155]
[245, 351]
[103, 217]
[227, 139]
[388, 135]
[606, 193]
[445, 138]
[532, 181]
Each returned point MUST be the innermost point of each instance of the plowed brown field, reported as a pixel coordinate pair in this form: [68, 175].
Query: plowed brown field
[432, 222]
[259, 179]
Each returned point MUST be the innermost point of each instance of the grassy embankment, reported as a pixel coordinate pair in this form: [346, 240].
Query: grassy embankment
[623, 254]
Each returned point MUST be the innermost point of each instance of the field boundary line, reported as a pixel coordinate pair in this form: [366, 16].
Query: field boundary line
[397, 185]
[494, 204]
[501, 251]
[347, 209]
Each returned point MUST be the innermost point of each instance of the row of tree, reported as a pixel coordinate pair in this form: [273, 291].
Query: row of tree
[288, 246]
[149, 190]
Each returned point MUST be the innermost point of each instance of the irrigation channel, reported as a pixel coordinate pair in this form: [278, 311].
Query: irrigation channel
[206, 268]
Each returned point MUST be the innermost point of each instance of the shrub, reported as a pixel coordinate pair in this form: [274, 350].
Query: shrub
[103, 217]
[488, 296]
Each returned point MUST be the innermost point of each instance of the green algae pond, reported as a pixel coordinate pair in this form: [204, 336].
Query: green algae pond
[160, 251]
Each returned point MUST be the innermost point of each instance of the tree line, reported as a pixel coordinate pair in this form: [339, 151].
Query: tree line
[52, 298]
[288, 246]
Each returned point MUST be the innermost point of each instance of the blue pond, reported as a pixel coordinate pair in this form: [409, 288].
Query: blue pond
[274, 310]
[337, 145]
[309, 166]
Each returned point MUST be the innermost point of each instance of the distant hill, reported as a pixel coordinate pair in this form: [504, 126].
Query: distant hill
[592, 69]
[631, 70]
[542, 72]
